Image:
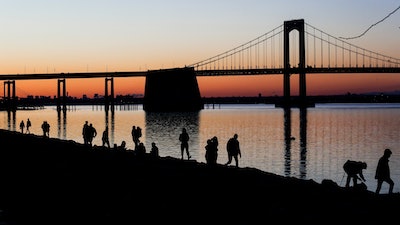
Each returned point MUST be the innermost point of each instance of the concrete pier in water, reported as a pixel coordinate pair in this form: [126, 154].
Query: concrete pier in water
[172, 90]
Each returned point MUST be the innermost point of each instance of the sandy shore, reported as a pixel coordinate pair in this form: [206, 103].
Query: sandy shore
[51, 181]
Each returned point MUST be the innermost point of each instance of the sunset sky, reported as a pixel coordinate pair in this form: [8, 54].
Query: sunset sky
[54, 36]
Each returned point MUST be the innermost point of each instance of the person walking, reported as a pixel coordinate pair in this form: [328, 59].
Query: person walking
[85, 132]
[233, 149]
[28, 125]
[382, 172]
[184, 139]
[22, 126]
[105, 138]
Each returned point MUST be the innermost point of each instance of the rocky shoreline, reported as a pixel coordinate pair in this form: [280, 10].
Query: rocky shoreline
[52, 181]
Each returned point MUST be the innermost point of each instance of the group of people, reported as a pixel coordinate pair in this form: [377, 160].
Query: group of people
[22, 126]
[354, 171]
[88, 133]
[45, 127]
[211, 154]
[136, 134]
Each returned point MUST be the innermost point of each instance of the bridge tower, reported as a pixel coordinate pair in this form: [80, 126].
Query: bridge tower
[61, 96]
[109, 98]
[289, 69]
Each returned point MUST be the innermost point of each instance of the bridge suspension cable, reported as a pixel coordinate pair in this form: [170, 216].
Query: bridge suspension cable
[264, 54]
[261, 52]
[335, 52]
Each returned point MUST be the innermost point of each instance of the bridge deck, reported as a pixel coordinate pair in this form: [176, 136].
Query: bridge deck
[225, 72]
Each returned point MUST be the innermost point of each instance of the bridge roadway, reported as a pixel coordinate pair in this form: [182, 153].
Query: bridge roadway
[224, 72]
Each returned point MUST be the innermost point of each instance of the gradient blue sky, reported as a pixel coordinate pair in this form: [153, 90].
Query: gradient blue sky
[119, 35]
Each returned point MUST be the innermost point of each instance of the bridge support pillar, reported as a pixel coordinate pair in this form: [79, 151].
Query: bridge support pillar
[172, 90]
[61, 96]
[10, 98]
[109, 98]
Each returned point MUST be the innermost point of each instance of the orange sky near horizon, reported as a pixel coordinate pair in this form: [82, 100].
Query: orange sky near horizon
[224, 86]
[77, 36]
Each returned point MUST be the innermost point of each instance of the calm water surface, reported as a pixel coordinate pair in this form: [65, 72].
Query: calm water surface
[312, 143]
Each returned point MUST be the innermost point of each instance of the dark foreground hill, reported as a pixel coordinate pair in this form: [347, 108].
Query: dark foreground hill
[51, 181]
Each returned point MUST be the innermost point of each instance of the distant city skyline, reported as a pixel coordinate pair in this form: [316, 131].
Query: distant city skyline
[81, 36]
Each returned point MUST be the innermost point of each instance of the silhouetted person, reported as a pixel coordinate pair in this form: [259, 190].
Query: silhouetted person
[184, 139]
[105, 138]
[208, 148]
[85, 132]
[233, 149]
[136, 135]
[134, 138]
[46, 129]
[28, 125]
[154, 150]
[90, 134]
[140, 150]
[354, 170]
[122, 147]
[22, 126]
[212, 151]
[383, 172]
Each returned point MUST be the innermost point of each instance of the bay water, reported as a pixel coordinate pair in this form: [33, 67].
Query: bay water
[311, 143]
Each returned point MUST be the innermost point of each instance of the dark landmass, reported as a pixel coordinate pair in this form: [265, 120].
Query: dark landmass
[51, 181]
[348, 98]
[40, 101]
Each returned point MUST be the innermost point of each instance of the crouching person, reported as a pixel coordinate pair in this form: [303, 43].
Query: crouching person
[354, 171]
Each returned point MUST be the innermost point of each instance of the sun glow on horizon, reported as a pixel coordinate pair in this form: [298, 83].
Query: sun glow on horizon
[222, 86]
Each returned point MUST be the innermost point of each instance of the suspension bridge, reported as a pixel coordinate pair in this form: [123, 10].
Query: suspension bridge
[295, 47]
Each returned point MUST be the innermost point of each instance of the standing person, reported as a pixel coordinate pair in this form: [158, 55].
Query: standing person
[233, 150]
[28, 125]
[105, 138]
[85, 132]
[212, 151]
[208, 148]
[383, 172]
[134, 138]
[46, 129]
[91, 133]
[184, 139]
[136, 135]
[354, 170]
[214, 154]
[22, 126]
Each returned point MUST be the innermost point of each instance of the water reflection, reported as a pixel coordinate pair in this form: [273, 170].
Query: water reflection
[287, 120]
[287, 113]
[303, 142]
[11, 119]
[162, 127]
[62, 124]
[110, 124]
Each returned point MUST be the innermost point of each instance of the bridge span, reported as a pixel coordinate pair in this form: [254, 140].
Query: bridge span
[311, 50]
[215, 72]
